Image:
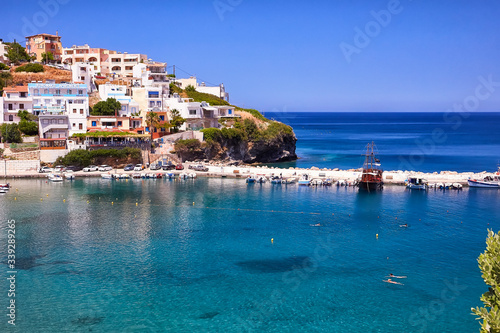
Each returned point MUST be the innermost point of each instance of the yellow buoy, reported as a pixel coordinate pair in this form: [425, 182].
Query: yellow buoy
[64, 200]
[136, 204]
[41, 199]
[112, 203]
[193, 203]
[47, 194]
[272, 240]
[376, 235]
[15, 198]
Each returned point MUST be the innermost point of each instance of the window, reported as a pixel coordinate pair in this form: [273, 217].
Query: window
[10, 107]
[74, 125]
[45, 121]
[124, 108]
[192, 112]
[162, 118]
[94, 123]
[23, 94]
[147, 129]
[58, 102]
[61, 121]
[11, 117]
[58, 92]
[119, 123]
[45, 91]
[133, 110]
[80, 92]
[69, 91]
[163, 129]
[21, 106]
[229, 111]
[74, 110]
[81, 111]
[36, 92]
[80, 126]
[158, 103]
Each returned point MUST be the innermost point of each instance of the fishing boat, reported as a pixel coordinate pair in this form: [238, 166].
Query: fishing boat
[371, 177]
[276, 180]
[415, 183]
[486, 182]
[304, 180]
[261, 179]
[55, 178]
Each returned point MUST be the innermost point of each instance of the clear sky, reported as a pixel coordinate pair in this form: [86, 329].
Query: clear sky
[286, 55]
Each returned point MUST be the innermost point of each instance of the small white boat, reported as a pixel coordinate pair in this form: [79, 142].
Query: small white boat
[415, 183]
[69, 175]
[106, 175]
[261, 179]
[276, 180]
[5, 187]
[316, 182]
[55, 178]
[192, 175]
[304, 180]
[327, 182]
[456, 186]
[122, 176]
[290, 180]
[183, 175]
[486, 182]
[136, 175]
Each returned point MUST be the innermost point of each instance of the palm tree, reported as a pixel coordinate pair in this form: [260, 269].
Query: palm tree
[153, 121]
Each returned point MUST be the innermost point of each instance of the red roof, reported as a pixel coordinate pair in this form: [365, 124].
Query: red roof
[16, 89]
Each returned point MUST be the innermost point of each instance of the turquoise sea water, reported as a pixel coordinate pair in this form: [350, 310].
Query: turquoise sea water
[197, 256]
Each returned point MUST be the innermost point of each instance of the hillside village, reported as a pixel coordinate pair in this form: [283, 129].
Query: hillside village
[74, 100]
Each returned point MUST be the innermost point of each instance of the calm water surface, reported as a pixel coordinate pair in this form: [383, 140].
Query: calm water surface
[197, 256]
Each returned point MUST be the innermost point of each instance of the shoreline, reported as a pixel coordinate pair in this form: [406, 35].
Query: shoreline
[221, 171]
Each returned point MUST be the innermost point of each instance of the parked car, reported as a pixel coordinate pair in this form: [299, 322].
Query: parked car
[200, 168]
[59, 168]
[105, 167]
[72, 168]
[45, 169]
[179, 167]
[169, 166]
[90, 168]
[129, 167]
[154, 166]
[139, 167]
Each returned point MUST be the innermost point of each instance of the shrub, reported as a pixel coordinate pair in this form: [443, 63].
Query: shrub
[255, 113]
[10, 133]
[31, 68]
[4, 67]
[28, 127]
[83, 158]
[106, 108]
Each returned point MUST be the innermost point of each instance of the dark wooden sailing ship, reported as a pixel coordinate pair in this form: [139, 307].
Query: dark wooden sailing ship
[371, 177]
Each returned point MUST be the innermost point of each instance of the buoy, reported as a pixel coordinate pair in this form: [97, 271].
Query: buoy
[193, 203]
[41, 199]
[15, 198]
[64, 200]
[376, 235]
[396, 218]
[47, 194]
[136, 204]
[272, 240]
[112, 203]
[87, 201]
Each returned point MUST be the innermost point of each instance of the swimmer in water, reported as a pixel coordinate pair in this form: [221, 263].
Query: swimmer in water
[393, 282]
[403, 225]
[396, 277]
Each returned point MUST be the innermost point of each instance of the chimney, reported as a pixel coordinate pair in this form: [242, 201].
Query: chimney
[57, 33]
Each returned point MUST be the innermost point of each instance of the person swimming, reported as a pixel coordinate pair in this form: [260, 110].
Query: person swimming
[393, 282]
[396, 277]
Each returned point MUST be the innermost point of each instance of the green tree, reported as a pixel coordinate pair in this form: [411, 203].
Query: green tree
[5, 80]
[31, 68]
[4, 67]
[190, 88]
[25, 115]
[47, 57]
[106, 108]
[489, 263]
[28, 127]
[16, 53]
[10, 133]
[176, 120]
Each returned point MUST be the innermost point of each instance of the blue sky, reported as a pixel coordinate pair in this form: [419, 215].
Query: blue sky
[297, 55]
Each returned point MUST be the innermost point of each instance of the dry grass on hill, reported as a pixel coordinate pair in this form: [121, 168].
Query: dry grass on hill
[50, 73]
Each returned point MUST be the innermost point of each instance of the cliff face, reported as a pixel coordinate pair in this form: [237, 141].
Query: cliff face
[277, 149]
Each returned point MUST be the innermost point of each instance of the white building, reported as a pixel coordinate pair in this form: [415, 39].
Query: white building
[67, 99]
[3, 52]
[14, 99]
[219, 91]
[122, 64]
[83, 73]
[119, 92]
[188, 109]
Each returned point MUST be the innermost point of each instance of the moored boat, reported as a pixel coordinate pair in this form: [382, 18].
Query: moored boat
[486, 182]
[55, 178]
[304, 180]
[251, 179]
[371, 176]
[415, 183]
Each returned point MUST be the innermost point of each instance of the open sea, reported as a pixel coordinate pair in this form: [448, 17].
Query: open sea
[424, 141]
[218, 255]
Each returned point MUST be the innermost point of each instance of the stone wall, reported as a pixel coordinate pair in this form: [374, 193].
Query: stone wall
[50, 156]
[18, 166]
